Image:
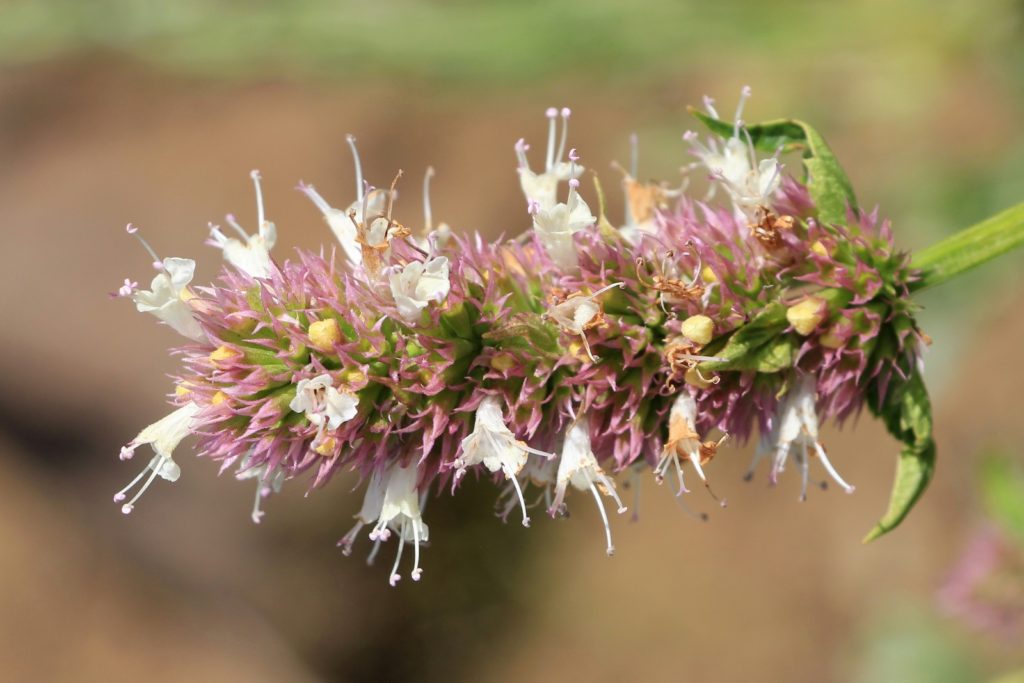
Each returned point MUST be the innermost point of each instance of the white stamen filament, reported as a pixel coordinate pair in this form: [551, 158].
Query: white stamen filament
[566, 112]
[549, 159]
[260, 215]
[351, 140]
[427, 214]
[610, 549]
[153, 467]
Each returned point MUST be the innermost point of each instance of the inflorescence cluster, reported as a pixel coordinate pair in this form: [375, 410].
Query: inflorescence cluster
[554, 361]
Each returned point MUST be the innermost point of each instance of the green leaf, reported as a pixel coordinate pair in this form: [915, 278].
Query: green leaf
[970, 248]
[828, 184]
[907, 415]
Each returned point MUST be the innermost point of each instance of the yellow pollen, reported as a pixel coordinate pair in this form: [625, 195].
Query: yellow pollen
[218, 398]
[820, 249]
[699, 329]
[353, 377]
[806, 315]
[708, 275]
[181, 391]
[324, 334]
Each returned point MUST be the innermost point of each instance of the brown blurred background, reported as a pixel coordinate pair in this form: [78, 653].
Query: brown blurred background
[154, 113]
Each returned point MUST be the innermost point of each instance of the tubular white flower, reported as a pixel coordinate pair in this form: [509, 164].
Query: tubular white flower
[324, 405]
[748, 182]
[579, 467]
[556, 225]
[251, 253]
[684, 442]
[542, 188]
[577, 312]
[419, 283]
[164, 435]
[367, 205]
[795, 431]
[267, 481]
[168, 295]
[494, 445]
[392, 500]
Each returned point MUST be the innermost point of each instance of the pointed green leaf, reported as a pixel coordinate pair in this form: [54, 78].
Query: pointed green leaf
[828, 184]
[907, 415]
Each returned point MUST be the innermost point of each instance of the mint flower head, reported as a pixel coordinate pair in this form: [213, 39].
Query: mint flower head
[552, 362]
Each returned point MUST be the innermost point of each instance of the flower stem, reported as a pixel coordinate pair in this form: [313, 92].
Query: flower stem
[970, 248]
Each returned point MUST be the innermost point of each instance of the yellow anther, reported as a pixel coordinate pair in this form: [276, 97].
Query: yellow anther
[181, 391]
[218, 398]
[503, 361]
[222, 353]
[806, 315]
[324, 334]
[699, 329]
[327, 446]
[353, 377]
[820, 249]
[831, 340]
[708, 275]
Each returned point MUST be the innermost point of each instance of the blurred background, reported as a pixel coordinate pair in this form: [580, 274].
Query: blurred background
[154, 113]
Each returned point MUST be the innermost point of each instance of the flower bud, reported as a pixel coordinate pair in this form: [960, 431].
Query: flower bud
[324, 334]
[699, 329]
[806, 315]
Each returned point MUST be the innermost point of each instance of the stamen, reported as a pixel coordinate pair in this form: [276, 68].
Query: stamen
[416, 571]
[521, 149]
[372, 557]
[257, 513]
[695, 461]
[831, 470]
[233, 222]
[395, 576]
[610, 549]
[260, 217]
[134, 232]
[566, 112]
[351, 140]
[709, 104]
[427, 214]
[349, 539]
[549, 159]
[744, 95]
[315, 197]
[519, 493]
[634, 154]
[154, 467]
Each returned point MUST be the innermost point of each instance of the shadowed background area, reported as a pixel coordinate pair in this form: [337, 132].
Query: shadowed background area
[154, 113]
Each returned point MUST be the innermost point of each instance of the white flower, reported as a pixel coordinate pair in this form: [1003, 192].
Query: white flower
[748, 182]
[251, 253]
[168, 295]
[555, 226]
[494, 445]
[576, 314]
[367, 205]
[794, 429]
[267, 481]
[417, 284]
[684, 442]
[393, 503]
[542, 188]
[579, 467]
[324, 405]
[164, 435]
